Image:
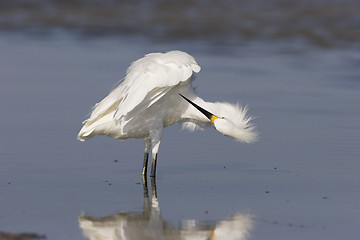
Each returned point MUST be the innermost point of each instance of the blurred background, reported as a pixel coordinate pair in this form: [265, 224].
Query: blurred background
[323, 23]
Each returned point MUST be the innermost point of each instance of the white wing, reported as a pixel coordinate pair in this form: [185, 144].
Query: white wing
[151, 77]
[147, 80]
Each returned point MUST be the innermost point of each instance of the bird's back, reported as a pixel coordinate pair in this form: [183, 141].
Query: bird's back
[147, 81]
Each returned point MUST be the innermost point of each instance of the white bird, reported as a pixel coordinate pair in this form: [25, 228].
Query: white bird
[156, 93]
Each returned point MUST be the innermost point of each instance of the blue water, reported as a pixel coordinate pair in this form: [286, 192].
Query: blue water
[299, 181]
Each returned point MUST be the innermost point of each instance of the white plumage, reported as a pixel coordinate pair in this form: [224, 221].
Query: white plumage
[156, 93]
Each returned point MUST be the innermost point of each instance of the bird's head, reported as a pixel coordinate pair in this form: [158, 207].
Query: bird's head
[230, 120]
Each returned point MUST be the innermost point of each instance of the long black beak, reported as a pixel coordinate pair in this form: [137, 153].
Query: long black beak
[206, 113]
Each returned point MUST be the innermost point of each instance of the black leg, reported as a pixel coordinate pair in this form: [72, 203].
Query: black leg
[153, 166]
[146, 157]
[153, 188]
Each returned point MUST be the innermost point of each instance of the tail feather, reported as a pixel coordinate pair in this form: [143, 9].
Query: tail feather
[101, 125]
[85, 133]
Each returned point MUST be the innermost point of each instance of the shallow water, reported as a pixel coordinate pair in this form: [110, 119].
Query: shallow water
[299, 181]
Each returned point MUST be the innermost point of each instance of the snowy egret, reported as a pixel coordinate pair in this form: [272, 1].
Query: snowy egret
[156, 93]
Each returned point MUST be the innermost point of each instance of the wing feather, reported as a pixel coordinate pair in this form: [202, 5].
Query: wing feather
[147, 80]
[154, 71]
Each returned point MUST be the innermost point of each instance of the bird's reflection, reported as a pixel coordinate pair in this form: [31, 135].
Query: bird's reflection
[150, 225]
